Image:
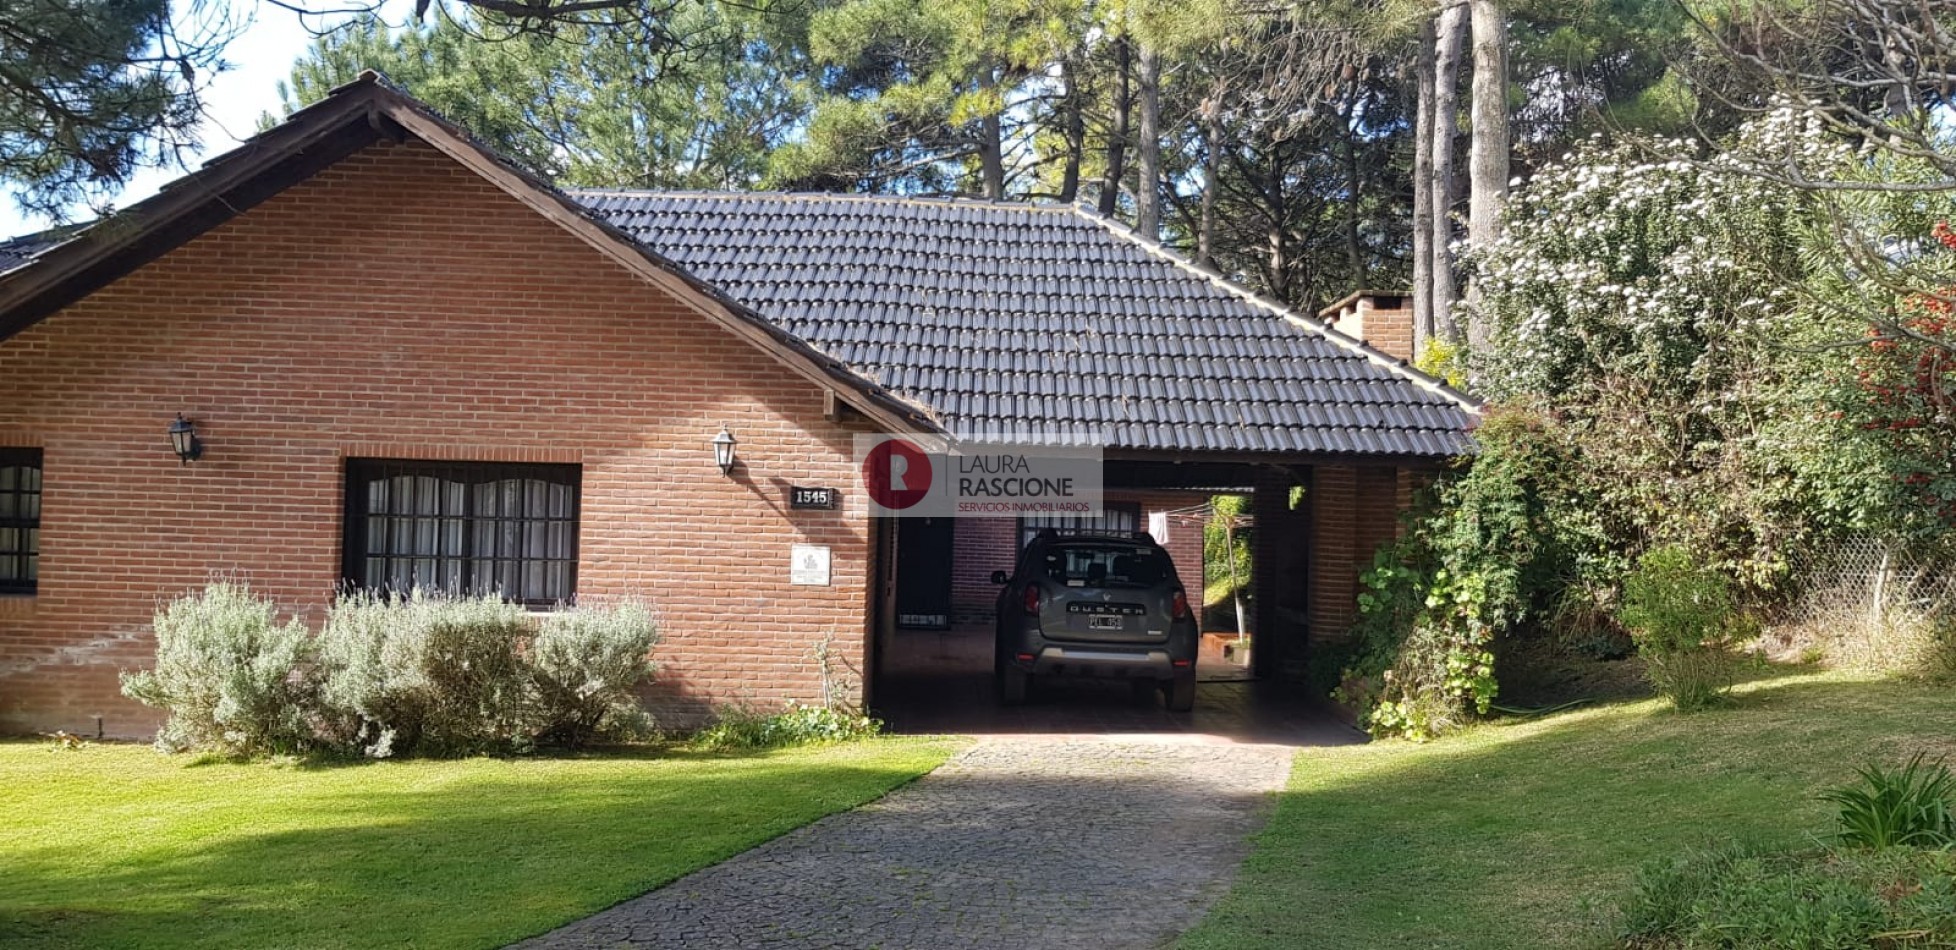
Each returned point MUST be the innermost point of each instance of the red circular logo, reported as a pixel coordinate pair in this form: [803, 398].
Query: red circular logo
[896, 473]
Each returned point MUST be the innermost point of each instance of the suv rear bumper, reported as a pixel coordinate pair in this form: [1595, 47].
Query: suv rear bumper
[1106, 661]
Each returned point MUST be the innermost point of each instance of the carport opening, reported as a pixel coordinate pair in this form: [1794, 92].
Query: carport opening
[935, 635]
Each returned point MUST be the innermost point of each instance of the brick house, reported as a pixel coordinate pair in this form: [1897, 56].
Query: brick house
[404, 357]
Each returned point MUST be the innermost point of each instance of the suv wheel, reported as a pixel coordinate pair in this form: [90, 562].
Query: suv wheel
[1013, 684]
[1180, 692]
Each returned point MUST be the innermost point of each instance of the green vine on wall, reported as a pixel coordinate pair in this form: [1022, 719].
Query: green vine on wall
[1475, 559]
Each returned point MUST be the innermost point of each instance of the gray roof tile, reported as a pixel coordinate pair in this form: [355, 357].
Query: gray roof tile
[1006, 317]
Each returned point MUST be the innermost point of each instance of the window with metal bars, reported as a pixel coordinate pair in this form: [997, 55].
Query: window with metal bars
[1117, 516]
[20, 520]
[463, 528]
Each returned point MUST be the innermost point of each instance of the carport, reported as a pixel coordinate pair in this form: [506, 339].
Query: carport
[1317, 523]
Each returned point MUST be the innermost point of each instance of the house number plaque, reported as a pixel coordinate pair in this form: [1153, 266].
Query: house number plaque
[818, 498]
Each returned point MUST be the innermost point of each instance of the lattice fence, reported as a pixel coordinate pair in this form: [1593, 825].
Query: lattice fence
[1873, 604]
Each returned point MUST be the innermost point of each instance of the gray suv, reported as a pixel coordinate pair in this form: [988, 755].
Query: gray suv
[1103, 605]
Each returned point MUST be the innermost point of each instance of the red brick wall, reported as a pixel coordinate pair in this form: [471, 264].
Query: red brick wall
[1355, 511]
[1389, 329]
[979, 546]
[397, 305]
[1184, 541]
[1332, 588]
[983, 545]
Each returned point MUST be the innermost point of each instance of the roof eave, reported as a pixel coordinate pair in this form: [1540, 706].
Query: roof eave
[223, 188]
[1286, 458]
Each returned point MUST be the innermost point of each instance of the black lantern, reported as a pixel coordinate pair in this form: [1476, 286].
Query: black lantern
[183, 439]
[723, 450]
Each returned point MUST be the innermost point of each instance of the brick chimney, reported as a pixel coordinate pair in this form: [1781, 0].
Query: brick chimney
[1381, 318]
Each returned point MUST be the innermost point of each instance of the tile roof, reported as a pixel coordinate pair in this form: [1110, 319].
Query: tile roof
[1044, 320]
[17, 251]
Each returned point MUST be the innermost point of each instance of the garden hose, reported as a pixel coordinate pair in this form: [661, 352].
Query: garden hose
[1532, 713]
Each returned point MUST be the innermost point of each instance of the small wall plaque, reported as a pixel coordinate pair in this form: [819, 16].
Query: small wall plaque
[810, 565]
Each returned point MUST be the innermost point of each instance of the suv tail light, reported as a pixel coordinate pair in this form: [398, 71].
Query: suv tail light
[1179, 607]
[1032, 599]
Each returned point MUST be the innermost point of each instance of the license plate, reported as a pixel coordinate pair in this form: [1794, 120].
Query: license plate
[1104, 623]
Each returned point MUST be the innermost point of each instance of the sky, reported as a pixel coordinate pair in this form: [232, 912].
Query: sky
[259, 58]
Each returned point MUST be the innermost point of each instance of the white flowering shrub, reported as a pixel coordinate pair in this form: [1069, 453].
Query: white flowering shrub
[1662, 270]
[230, 676]
[584, 667]
[1673, 347]
[1682, 318]
[425, 674]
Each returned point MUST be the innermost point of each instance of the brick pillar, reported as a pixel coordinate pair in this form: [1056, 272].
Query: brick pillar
[1355, 510]
[1335, 516]
[1384, 320]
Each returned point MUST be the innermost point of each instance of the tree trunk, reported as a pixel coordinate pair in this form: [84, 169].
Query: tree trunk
[1274, 234]
[1147, 188]
[1488, 156]
[1110, 182]
[991, 152]
[1354, 187]
[1450, 37]
[1235, 585]
[1205, 232]
[1423, 190]
[1075, 131]
[991, 158]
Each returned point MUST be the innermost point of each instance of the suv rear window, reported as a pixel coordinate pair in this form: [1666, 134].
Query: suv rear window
[1106, 565]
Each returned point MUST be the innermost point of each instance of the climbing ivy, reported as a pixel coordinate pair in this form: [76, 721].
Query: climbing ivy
[1477, 557]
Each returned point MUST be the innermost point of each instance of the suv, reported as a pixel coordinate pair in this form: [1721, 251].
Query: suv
[1106, 605]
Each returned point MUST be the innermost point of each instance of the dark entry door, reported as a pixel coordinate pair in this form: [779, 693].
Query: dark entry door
[923, 587]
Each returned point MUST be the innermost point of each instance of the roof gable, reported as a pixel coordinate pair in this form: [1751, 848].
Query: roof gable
[45, 273]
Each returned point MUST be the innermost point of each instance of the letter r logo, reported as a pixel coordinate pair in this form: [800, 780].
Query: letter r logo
[896, 473]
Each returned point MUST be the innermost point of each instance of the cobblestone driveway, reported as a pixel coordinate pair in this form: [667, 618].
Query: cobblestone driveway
[1013, 843]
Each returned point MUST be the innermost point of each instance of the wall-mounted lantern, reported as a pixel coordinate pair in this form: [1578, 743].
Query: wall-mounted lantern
[184, 441]
[723, 450]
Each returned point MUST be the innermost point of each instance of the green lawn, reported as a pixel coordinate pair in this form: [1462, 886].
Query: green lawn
[1525, 835]
[117, 846]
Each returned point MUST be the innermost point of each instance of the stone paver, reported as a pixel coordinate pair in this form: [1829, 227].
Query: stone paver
[1022, 843]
